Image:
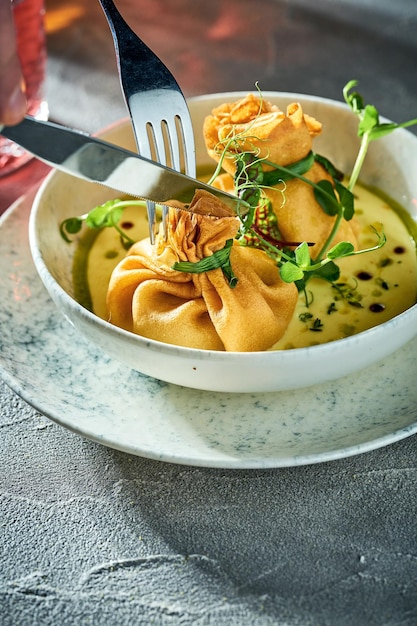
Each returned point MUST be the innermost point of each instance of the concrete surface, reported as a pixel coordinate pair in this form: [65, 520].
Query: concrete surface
[91, 536]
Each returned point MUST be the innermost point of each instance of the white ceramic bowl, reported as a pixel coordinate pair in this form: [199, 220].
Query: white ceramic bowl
[391, 165]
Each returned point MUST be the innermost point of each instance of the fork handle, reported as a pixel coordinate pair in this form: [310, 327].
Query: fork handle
[138, 59]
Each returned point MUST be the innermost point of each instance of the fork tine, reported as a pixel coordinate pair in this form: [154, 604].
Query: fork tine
[164, 221]
[143, 144]
[173, 143]
[161, 145]
[188, 143]
[186, 135]
[151, 211]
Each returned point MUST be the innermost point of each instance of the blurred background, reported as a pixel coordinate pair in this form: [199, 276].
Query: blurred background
[226, 45]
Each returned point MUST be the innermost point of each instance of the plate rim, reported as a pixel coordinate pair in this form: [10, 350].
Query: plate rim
[223, 462]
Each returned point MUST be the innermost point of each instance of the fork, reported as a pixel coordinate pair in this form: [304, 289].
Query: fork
[158, 110]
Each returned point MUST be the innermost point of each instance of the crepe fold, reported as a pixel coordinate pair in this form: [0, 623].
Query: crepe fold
[201, 310]
[282, 138]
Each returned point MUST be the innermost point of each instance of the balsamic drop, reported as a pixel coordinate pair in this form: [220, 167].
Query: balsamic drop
[377, 307]
[364, 275]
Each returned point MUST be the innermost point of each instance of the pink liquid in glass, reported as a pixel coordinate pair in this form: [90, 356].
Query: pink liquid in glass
[29, 23]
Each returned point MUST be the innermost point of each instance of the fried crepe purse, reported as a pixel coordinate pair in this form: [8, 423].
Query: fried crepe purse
[282, 138]
[242, 305]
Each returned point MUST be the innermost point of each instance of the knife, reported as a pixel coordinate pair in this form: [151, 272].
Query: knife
[77, 153]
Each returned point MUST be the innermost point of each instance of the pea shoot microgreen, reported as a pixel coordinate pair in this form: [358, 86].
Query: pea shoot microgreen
[107, 215]
[335, 200]
[370, 127]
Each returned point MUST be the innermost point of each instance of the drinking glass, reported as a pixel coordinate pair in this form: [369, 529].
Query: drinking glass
[28, 17]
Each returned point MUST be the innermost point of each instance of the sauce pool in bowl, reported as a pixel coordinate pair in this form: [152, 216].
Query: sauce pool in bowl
[372, 288]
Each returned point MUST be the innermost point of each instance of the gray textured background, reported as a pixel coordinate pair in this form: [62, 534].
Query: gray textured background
[96, 537]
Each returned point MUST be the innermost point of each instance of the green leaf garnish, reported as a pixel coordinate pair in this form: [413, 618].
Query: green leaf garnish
[326, 197]
[329, 167]
[284, 174]
[340, 250]
[329, 271]
[218, 260]
[346, 200]
[107, 215]
[302, 256]
[369, 127]
[290, 272]
[70, 226]
[317, 325]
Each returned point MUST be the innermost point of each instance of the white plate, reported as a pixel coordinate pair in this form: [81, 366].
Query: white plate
[67, 379]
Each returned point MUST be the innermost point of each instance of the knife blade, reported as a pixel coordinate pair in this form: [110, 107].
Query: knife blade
[77, 153]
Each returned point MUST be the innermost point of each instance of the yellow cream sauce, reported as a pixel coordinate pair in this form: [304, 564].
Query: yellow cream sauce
[376, 285]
